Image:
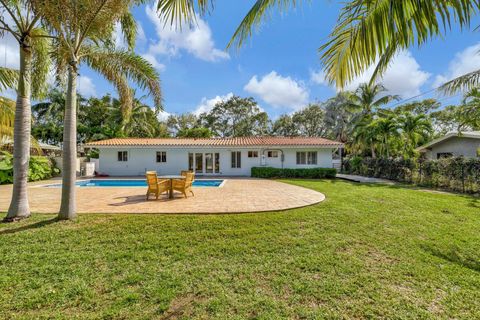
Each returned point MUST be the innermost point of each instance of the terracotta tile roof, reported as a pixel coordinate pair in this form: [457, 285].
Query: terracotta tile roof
[218, 142]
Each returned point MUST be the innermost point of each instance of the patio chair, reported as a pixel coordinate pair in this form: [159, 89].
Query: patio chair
[184, 173]
[156, 186]
[184, 185]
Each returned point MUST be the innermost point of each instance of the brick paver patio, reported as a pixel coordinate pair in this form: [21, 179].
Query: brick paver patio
[236, 196]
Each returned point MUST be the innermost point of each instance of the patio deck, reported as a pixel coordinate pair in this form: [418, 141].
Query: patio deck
[238, 195]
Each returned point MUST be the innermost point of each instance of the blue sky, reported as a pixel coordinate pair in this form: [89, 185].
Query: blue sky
[279, 66]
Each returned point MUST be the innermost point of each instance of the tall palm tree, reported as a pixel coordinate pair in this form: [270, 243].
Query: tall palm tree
[386, 128]
[18, 20]
[369, 98]
[415, 129]
[365, 136]
[84, 30]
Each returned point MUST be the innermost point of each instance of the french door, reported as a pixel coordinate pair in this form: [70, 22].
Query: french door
[204, 163]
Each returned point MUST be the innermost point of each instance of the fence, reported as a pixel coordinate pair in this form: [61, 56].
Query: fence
[456, 174]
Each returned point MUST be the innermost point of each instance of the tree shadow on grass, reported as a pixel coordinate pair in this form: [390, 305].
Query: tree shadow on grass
[454, 255]
[32, 226]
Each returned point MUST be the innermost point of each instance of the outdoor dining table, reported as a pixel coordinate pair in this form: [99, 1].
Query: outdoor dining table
[171, 177]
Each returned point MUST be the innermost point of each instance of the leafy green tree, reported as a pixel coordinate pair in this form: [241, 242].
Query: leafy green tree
[236, 117]
[310, 121]
[7, 117]
[365, 137]
[83, 29]
[284, 126]
[18, 20]
[339, 114]
[199, 132]
[182, 123]
[418, 107]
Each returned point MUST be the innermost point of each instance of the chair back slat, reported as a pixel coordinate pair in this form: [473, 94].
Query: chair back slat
[151, 179]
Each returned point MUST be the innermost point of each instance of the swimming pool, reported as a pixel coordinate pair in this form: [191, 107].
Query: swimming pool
[135, 183]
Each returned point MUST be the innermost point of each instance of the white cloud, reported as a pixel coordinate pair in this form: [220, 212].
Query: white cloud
[464, 62]
[403, 76]
[153, 60]
[278, 91]
[85, 86]
[207, 104]
[163, 115]
[195, 39]
[9, 52]
[318, 77]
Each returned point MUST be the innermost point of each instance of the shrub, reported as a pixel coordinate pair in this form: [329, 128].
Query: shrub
[40, 168]
[309, 173]
[456, 174]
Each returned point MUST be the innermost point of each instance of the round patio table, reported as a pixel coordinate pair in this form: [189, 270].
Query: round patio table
[171, 177]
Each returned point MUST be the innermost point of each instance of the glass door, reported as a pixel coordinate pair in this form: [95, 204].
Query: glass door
[208, 162]
[199, 162]
[196, 162]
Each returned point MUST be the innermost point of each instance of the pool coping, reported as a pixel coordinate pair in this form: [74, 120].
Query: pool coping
[49, 185]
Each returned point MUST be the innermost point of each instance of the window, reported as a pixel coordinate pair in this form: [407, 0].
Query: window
[161, 156]
[253, 154]
[236, 159]
[307, 157]
[272, 154]
[443, 155]
[122, 156]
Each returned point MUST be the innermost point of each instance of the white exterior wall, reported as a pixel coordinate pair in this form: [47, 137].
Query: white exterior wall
[144, 159]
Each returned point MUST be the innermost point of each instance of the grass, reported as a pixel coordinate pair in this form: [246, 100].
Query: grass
[368, 251]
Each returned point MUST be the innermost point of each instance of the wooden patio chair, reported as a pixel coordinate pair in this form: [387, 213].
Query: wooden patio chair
[156, 186]
[184, 185]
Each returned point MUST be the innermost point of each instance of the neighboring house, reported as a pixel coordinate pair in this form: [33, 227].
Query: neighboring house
[215, 156]
[454, 144]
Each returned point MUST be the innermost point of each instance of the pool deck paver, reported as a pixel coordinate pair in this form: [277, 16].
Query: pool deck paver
[237, 195]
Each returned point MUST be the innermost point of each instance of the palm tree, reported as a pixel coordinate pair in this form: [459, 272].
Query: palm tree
[369, 98]
[365, 136]
[386, 128]
[415, 129]
[33, 44]
[83, 30]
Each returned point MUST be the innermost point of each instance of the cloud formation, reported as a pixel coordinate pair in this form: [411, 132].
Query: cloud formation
[85, 86]
[206, 105]
[404, 76]
[465, 61]
[278, 91]
[195, 39]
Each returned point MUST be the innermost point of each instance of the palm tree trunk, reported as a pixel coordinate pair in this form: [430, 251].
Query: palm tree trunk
[372, 148]
[19, 207]
[69, 176]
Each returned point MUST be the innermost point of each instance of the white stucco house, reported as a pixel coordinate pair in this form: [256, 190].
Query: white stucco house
[214, 156]
[466, 144]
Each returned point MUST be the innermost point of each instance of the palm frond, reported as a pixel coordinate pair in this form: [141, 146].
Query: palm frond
[466, 82]
[129, 29]
[8, 78]
[180, 12]
[255, 16]
[116, 64]
[366, 29]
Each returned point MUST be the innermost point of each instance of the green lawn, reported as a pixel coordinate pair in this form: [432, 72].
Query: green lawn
[368, 251]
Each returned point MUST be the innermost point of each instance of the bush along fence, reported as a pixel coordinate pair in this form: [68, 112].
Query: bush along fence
[309, 173]
[40, 168]
[455, 174]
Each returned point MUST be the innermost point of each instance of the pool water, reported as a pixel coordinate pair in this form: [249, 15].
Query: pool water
[137, 183]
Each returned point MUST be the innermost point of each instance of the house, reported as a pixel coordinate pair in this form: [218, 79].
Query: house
[214, 156]
[466, 144]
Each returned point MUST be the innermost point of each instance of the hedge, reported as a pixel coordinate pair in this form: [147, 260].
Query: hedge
[309, 173]
[456, 174]
[40, 168]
